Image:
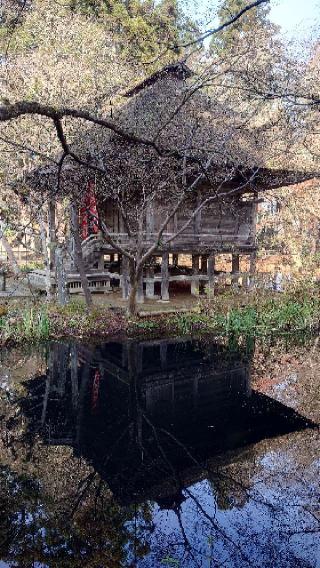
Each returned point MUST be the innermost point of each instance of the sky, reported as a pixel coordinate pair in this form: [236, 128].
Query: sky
[297, 18]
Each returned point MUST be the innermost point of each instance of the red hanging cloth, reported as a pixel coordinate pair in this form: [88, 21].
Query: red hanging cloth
[89, 220]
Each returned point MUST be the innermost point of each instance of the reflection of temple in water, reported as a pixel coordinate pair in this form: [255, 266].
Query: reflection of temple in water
[148, 415]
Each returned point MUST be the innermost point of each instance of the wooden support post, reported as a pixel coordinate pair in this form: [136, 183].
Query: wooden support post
[211, 262]
[235, 269]
[235, 263]
[78, 254]
[2, 281]
[175, 259]
[252, 270]
[165, 277]
[204, 263]
[150, 282]
[195, 273]
[140, 294]
[101, 263]
[125, 277]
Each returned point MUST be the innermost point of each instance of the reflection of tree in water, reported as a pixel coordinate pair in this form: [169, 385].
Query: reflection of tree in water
[104, 403]
[36, 526]
[55, 509]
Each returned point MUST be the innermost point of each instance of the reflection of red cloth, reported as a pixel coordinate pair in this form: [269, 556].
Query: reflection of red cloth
[89, 213]
[95, 390]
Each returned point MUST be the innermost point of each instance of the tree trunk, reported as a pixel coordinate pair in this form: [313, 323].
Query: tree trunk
[44, 246]
[78, 255]
[10, 254]
[132, 302]
[52, 232]
[61, 278]
[134, 282]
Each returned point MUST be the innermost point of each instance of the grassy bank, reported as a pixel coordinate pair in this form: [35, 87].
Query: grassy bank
[234, 314]
[40, 321]
[257, 314]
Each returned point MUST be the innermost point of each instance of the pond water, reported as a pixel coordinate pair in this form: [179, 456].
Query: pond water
[151, 454]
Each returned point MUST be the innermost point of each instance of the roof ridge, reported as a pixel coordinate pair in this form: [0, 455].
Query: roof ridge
[178, 69]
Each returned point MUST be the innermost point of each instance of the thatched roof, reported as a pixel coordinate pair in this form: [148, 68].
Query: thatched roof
[170, 109]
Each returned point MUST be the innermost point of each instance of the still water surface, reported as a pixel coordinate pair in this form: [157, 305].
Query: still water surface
[152, 454]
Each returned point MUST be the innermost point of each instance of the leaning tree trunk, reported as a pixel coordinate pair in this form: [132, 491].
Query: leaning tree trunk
[78, 255]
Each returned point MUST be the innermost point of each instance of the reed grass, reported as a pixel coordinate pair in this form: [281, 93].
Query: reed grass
[32, 324]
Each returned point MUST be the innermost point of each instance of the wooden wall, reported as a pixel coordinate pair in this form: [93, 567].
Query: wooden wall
[232, 222]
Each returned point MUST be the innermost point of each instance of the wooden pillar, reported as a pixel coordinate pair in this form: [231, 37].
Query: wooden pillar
[195, 275]
[74, 219]
[175, 259]
[235, 268]
[140, 294]
[101, 263]
[165, 277]
[125, 277]
[2, 281]
[150, 282]
[252, 270]
[211, 262]
[204, 263]
[235, 263]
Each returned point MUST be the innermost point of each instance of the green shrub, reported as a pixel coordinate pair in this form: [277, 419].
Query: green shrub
[258, 314]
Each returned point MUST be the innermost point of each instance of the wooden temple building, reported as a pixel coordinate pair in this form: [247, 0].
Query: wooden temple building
[144, 181]
[227, 225]
[211, 234]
